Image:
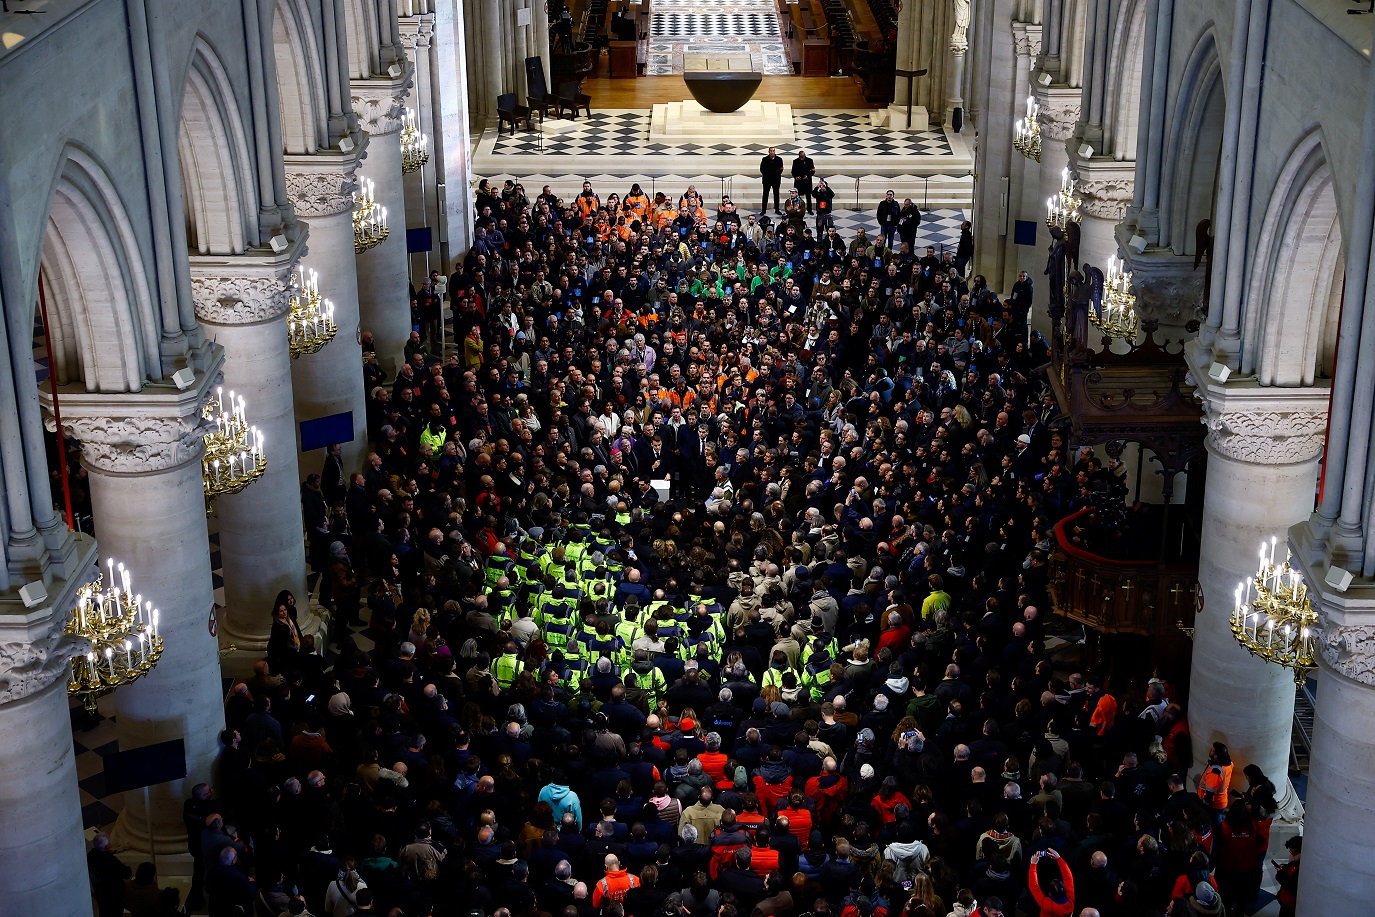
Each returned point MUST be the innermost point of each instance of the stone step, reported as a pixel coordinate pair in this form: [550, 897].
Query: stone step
[858, 192]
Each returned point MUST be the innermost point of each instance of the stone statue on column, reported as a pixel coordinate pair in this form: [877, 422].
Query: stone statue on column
[959, 38]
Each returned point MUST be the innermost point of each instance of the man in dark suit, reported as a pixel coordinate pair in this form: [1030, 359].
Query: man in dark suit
[692, 459]
[803, 170]
[771, 171]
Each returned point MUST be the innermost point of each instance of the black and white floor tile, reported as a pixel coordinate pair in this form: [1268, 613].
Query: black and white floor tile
[702, 25]
[820, 133]
[724, 27]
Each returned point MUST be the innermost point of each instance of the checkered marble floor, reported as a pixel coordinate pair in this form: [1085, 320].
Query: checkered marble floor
[725, 27]
[820, 133]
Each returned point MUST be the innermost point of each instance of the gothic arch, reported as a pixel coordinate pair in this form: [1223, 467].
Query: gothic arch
[1194, 139]
[217, 171]
[363, 44]
[102, 322]
[1125, 68]
[299, 91]
[1294, 294]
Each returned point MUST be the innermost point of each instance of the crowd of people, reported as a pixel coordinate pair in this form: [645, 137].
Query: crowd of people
[707, 577]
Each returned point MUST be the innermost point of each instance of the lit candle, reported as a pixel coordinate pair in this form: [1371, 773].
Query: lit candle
[128, 654]
[155, 622]
[142, 650]
[110, 658]
[90, 663]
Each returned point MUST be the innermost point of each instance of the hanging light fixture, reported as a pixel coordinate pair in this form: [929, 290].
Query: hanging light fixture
[369, 219]
[1063, 208]
[1026, 133]
[119, 635]
[415, 146]
[310, 326]
[234, 456]
[1118, 318]
[1273, 617]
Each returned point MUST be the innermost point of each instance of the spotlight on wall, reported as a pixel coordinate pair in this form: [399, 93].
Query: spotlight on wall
[184, 378]
[1219, 372]
[1338, 578]
[1043, 79]
[346, 144]
[1085, 151]
[279, 243]
[394, 71]
[36, 593]
[1137, 244]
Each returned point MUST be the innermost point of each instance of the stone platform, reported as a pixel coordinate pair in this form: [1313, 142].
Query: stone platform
[754, 122]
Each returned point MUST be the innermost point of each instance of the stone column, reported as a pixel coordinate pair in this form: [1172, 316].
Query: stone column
[1263, 446]
[383, 272]
[42, 856]
[1335, 877]
[331, 381]
[1003, 211]
[997, 164]
[417, 33]
[143, 452]
[242, 303]
[452, 158]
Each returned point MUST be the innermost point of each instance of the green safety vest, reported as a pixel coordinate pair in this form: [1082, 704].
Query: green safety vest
[506, 669]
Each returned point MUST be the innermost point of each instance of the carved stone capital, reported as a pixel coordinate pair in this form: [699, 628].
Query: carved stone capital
[1107, 198]
[245, 289]
[1350, 650]
[380, 102]
[155, 430]
[138, 445]
[417, 32]
[1266, 437]
[1058, 120]
[1026, 39]
[27, 668]
[323, 184]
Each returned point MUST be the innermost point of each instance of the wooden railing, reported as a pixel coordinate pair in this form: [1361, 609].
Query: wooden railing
[1119, 596]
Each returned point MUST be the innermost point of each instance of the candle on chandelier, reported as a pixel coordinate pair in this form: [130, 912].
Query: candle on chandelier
[128, 654]
[155, 622]
[142, 650]
[90, 664]
[110, 659]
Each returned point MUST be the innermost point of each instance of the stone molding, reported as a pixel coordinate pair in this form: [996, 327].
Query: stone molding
[240, 300]
[1026, 39]
[417, 32]
[1350, 650]
[380, 102]
[1266, 437]
[1058, 119]
[323, 192]
[147, 432]
[138, 444]
[1107, 198]
[1258, 424]
[28, 667]
[245, 289]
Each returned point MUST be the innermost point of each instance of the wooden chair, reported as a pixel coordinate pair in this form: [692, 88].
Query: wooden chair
[570, 99]
[508, 112]
[537, 97]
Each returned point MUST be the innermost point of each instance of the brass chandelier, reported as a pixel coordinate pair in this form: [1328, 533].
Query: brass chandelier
[1273, 617]
[415, 146]
[119, 637]
[1026, 133]
[1063, 208]
[310, 326]
[1117, 318]
[234, 456]
[369, 219]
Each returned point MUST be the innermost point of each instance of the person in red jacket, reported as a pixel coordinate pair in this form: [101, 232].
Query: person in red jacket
[713, 760]
[763, 858]
[1056, 897]
[799, 817]
[1287, 875]
[827, 792]
[1238, 854]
